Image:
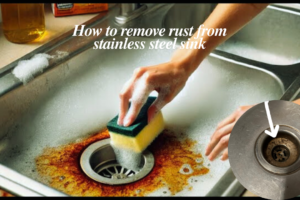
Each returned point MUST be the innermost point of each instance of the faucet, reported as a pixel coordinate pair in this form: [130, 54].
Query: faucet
[129, 7]
[130, 11]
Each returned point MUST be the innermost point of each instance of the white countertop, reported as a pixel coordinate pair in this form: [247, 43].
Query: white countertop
[55, 26]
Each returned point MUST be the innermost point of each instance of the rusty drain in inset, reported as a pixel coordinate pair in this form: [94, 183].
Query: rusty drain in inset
[280, 155]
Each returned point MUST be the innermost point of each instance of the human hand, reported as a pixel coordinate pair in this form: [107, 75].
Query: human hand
[167, 79]
[220, 138]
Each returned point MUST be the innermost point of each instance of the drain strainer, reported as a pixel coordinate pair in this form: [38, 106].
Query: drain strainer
[280, 153]
[114, 171]
[98, 161]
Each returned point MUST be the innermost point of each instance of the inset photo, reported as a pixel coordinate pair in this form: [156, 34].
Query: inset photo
[264, 149]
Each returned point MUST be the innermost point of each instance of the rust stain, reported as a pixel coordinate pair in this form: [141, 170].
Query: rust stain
[60, 166]
[186, 170]
[5, 194]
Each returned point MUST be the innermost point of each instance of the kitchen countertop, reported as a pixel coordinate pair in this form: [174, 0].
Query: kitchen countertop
[55, 26]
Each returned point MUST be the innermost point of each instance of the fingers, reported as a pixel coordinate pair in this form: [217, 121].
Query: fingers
[217, 136]
[140, 95]
[220, 138]
[222, 144]
[225, 154]
[157, 105]
[138, 72]
[228, 120]
[234, 116]
[125, 95]
[133, 112]
[152, 111]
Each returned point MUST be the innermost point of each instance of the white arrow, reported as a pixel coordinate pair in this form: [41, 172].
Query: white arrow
[273, 132]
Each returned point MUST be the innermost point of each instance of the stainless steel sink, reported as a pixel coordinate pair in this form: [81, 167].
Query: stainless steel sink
[271, 37]
[78, 95]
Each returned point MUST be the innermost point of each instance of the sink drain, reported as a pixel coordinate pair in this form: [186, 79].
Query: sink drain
[98, 161]
[279, 155]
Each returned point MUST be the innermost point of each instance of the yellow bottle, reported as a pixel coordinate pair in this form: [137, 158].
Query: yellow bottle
[23, 22]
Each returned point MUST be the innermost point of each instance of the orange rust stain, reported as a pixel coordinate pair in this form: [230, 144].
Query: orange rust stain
[60, 165]
[186, 170]
[5, 194]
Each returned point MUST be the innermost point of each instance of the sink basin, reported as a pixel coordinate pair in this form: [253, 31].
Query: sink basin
[78, 98]
[271, 37]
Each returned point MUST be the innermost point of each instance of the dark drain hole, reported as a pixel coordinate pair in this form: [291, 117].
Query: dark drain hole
[280, 153]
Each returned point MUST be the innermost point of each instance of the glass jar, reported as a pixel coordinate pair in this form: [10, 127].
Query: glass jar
[23, 22]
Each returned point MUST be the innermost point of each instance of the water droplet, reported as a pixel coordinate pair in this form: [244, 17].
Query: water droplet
[138, 191]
